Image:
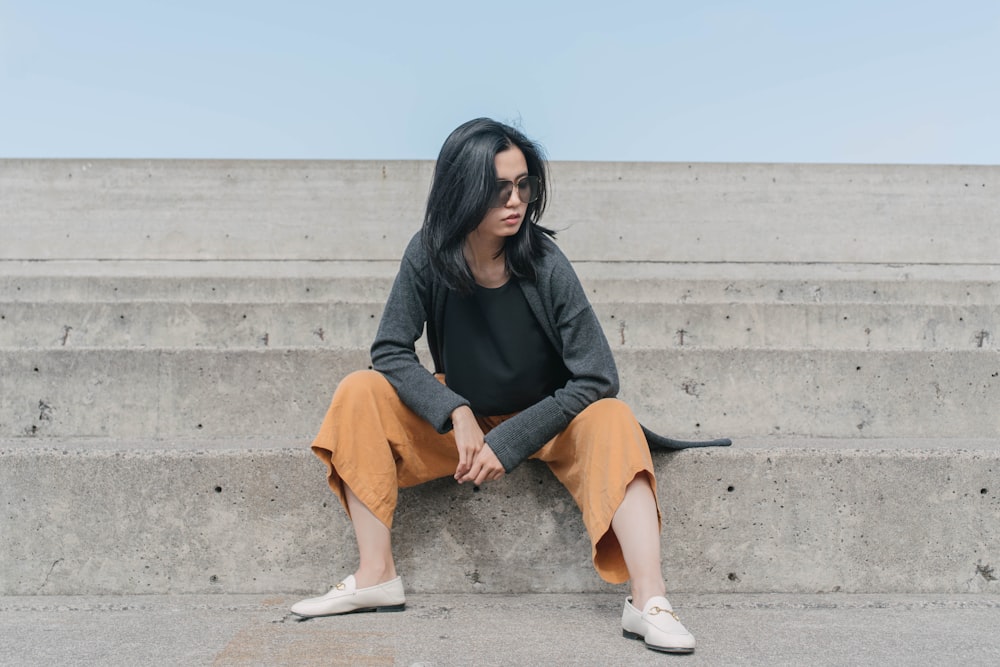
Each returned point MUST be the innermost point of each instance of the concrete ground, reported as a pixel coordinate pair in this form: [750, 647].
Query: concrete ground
[475, 629]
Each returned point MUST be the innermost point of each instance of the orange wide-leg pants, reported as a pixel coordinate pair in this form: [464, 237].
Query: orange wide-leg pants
[374, 444]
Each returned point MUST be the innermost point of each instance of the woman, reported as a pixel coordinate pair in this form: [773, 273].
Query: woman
[524, 371]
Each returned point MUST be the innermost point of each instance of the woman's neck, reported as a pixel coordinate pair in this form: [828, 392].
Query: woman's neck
[486, 260]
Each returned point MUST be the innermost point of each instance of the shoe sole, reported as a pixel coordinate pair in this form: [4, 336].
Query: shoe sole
[363, 610]
[661, 649]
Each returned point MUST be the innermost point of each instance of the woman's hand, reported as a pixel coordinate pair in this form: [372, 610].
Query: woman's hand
[486, 467]
[468, 438]
[476, 461]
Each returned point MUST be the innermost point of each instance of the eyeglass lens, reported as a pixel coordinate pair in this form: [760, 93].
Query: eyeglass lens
[527, 191]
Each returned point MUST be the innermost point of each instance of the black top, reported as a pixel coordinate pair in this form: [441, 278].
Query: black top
[496, 354]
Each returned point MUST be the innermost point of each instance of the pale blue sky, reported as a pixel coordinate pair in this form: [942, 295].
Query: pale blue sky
[767, 81]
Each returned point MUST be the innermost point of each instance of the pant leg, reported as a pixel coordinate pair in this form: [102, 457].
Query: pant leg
[374, 444]
[601, 451]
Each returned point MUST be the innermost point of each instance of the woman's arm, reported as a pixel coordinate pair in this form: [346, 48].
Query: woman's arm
[393, 352]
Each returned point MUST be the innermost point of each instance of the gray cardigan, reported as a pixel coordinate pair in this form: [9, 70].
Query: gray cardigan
[557, 300]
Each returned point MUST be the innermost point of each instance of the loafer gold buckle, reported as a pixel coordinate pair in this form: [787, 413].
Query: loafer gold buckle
[653, 611]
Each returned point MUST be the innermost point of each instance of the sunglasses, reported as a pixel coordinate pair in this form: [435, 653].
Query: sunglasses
[527, 191]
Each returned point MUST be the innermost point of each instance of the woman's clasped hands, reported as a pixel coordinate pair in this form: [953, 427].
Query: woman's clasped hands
[476, 461]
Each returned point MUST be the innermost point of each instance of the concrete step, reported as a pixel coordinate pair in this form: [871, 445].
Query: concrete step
[683, 393]
[163, 324]
[606, 282]
[448, 629]
[349, 210]
[235, 281]
[242, 515]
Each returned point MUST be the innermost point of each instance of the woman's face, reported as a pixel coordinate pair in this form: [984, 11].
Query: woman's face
[507, 219]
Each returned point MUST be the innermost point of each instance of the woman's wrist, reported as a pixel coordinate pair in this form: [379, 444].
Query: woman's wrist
[461, 414]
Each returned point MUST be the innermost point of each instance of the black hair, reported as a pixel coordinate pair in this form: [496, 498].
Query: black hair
[464, 184]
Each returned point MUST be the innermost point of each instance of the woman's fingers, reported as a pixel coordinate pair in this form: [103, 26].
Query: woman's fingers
[469, 474]
[486, 467]
[472, 473]
[464, 459]
[467, 453]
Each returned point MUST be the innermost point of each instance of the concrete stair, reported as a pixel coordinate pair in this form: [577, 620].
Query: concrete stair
[171, 332]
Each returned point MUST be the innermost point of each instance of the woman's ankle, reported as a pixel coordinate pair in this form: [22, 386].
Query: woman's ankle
[642, 594]
[373, 575]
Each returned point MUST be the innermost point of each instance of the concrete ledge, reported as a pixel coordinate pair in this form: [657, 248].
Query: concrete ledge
[262, 520]
[189, 209]
[651, 325]
[683, 393]
[280, 281]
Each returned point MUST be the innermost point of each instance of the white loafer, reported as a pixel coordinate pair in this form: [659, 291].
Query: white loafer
[657, 625]
[346, 597]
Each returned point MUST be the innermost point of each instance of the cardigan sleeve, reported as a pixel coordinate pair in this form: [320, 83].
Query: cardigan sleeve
[393, 351]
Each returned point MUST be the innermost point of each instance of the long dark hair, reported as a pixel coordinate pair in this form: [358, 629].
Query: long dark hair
[465, 181]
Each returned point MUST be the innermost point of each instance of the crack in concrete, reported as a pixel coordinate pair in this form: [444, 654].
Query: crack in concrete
[49, 573]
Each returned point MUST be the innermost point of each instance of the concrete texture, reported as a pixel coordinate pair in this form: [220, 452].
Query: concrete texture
[244, 281]
[447, 630]
[236, 519]
[151, 393]
[652, 325]
[178, 209]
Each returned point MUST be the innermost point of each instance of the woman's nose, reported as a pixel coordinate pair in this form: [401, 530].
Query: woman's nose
[515, 197]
